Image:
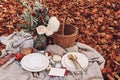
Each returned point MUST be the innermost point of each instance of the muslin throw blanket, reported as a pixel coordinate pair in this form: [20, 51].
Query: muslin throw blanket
[12, 70]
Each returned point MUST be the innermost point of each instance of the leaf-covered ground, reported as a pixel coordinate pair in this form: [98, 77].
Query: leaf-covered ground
[99, 26]
[98, 22]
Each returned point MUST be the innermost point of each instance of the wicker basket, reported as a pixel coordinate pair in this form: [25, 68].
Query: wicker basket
[67, 37]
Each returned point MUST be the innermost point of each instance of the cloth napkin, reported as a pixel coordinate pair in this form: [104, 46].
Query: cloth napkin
[12, 70]
[16, 42]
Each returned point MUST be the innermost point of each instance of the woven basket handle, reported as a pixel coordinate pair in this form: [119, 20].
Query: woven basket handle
[63, 26]
[76, 32]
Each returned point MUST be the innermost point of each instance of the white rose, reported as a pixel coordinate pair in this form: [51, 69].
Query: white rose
[53, 24]
[48, 31]
[41, 29]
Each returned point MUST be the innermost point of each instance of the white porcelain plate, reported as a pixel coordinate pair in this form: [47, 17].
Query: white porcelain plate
[82, 59]
[35, 62]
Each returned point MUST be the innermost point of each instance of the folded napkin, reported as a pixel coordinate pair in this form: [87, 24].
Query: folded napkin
[55, 49]
[16, 41]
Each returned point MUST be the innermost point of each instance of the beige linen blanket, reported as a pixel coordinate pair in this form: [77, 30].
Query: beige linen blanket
[12, 70]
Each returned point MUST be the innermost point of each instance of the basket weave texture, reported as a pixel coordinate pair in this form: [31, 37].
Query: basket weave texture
[67, 37]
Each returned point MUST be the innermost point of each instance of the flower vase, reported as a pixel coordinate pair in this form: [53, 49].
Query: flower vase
[40, 42]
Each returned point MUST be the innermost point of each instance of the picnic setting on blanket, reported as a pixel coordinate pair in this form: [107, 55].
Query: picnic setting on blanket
[59, 40]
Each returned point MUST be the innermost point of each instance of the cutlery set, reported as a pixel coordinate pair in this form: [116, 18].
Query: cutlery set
[73, 58]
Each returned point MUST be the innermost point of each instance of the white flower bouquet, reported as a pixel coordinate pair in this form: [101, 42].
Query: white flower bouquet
[37, 22]
[52, 26]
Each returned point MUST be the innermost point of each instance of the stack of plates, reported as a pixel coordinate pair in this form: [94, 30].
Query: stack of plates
[82, 60]
[35, 62]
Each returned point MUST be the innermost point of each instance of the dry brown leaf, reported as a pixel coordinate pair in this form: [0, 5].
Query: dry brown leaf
[100, 19]
[117, 77]
[117, 63]
[117, 58]
[110, 77]
[94, 10]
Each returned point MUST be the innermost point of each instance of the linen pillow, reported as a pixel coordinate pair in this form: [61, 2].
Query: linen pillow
[55, 49]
